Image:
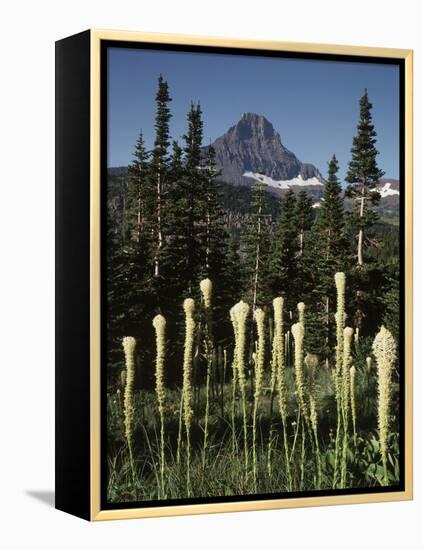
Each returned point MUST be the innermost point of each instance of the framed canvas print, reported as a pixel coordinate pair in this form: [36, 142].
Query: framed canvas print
[234, 275]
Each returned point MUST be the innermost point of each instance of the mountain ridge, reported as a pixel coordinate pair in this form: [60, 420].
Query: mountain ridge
[252, 149]
[253, 146]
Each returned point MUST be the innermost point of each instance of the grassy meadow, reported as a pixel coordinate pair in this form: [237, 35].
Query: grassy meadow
[259, 416]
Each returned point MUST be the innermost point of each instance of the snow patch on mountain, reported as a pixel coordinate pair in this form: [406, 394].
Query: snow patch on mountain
[387, 190]
[284, 184]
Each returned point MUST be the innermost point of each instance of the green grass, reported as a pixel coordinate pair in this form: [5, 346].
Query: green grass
[224, 473]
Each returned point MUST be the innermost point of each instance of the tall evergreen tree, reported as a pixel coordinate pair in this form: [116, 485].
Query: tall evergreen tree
[220, 262]
[159, 167]
[185, 251]
[174, 254]
[129, 260]
[255, 246]
[327, 254]
[304, 216]
[284, 260]
[363, 175]
[194, 191]
[139, 194]
[215, 235]
[176, 164]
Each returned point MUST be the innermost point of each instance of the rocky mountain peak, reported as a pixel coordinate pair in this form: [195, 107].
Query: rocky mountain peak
[251, 125]
[253, 144]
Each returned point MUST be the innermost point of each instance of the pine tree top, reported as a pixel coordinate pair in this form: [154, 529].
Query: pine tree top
[194, 137]
[331, 212]
[363, 168]
[163, 116]
[303, 210]
[139, 165]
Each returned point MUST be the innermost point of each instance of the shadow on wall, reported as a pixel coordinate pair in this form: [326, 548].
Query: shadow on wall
[46, 497]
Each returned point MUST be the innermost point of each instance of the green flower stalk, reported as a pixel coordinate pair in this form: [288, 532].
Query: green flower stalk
[303, 452]
[206, 287]
[337, 374]
[345, 399]
[353, 373]
[234, 321]
[128, 344]
[180, 424]
[259, 318]
[303, 416]
[189, 308]
[123, 378]
[240, 313]
[278, 351]
[273, 382]
[311, 361]
[346, 365]
[287, 347]
[384, 349]
[356, 336]
[159, 324]
[119, 401]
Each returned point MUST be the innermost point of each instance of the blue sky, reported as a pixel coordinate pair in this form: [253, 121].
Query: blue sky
[312, 104]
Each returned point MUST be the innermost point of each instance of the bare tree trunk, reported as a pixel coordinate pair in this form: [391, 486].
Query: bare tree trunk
[327, 310]
[257, 265]
[359, 313]
[327, 320]
[360, 233]
[301, 241]
[139, 217]
[208, 221]
[159, 226]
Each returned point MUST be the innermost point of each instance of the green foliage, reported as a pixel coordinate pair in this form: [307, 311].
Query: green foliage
[363, 175]
[363, 167]
[326, 254]
[158, 173]
[225, 471]
[139, 203]
[304, 217]
[284, 259]
[255, 248]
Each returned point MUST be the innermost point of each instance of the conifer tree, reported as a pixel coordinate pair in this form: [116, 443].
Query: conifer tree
[139, 194]
[363, 175]
[219, 262]
[304, 216]
[216, 249]
[214, 231]
[326, 255]
[194, 193]
[284, 259]
[256, 247]
[176, 165]
[391, 300]
[127, 289]
[184, 256]
[159, 168]
[174, 254]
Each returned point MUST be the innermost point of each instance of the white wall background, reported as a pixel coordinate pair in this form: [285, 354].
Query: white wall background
[28, 32]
